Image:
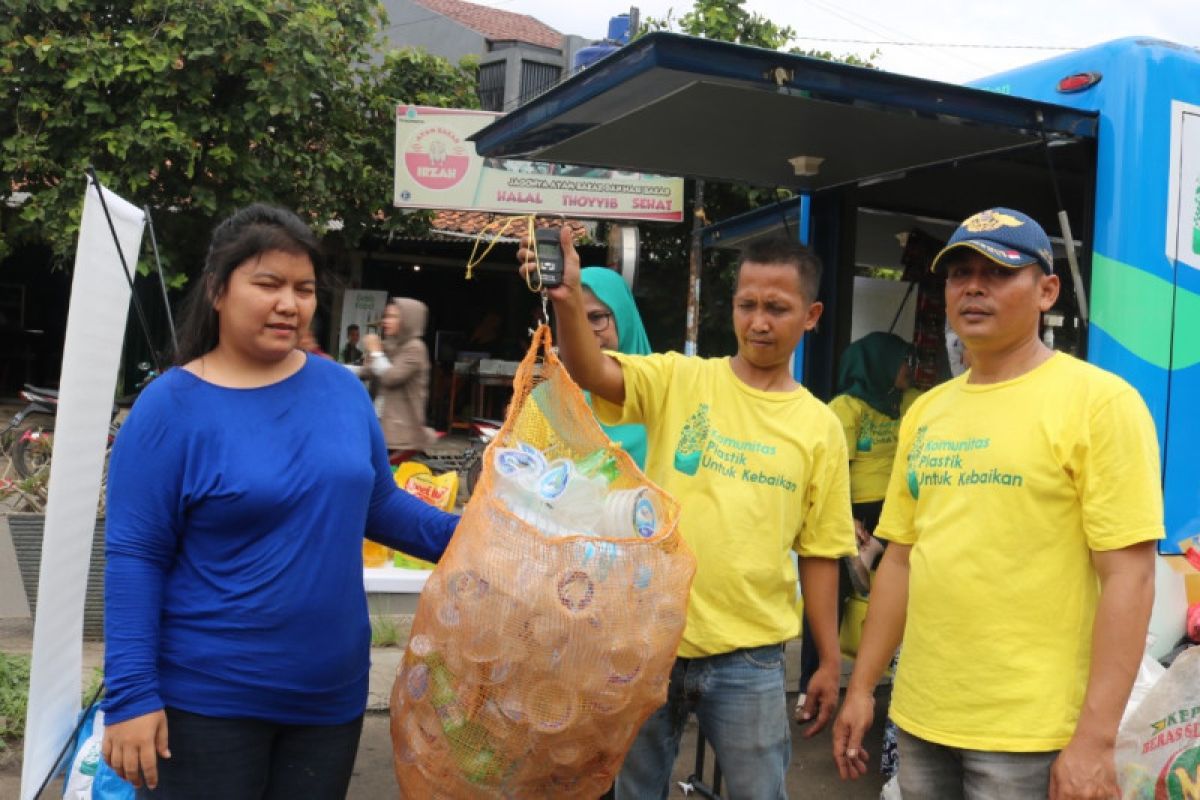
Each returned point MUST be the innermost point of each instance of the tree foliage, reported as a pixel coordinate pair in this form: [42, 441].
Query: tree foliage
[195, 109]
[729, 21]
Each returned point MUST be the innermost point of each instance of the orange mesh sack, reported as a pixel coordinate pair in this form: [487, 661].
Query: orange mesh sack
[545, 636]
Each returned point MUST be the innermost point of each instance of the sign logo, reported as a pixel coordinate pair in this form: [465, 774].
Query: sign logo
[437, 159]
[436, 166]
[427, 488]
[1180, 776]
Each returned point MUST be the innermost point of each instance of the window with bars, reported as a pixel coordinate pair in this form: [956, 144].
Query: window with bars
[491, 86]
[536, 78]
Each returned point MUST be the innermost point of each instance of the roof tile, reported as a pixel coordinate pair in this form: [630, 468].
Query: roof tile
[474, 222]
[496, 25]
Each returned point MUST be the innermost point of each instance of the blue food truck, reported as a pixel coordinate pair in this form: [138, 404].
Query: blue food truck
[1101, 145]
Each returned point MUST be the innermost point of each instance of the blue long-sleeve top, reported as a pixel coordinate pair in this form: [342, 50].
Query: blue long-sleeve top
[233, 581]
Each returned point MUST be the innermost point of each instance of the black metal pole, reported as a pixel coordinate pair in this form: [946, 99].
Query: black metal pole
[141, 315]
[162, 282]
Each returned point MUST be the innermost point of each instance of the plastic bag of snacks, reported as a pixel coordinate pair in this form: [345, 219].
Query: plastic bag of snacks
[546, 635]
[1158, 746]
[439, 491]
[418, 480]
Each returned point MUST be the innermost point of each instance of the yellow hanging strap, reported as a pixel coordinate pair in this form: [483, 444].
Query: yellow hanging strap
[494, 232]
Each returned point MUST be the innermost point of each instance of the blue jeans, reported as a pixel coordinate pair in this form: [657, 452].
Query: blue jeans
[938, 772]
[739, 700]
[249, 759]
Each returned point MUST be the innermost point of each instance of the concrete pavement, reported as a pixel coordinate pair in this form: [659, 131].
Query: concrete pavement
[811, 775]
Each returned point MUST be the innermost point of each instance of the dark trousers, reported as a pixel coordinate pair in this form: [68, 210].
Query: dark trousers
[248, 759]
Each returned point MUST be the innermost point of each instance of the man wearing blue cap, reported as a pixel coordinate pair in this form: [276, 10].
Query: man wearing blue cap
[1022, 510]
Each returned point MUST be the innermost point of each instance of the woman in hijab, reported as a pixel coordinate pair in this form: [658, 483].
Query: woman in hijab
[873, 392]
[617, 325]
[400, 364]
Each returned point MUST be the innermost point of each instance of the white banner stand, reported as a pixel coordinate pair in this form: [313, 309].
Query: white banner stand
[91, 357]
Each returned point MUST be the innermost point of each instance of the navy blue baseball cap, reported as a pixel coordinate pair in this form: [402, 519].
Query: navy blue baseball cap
[1007, 237]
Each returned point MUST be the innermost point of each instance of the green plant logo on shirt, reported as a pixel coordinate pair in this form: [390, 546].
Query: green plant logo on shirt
[875, 431]
[702, 447]
[692, 439]
[914, 456]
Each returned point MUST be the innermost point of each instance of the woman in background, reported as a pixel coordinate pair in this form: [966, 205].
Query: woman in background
[237, 642]
[400, 364]
[874, 391]
[614, 317]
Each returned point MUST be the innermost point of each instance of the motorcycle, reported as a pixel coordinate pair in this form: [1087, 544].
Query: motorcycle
[30, 433]
[28, 447]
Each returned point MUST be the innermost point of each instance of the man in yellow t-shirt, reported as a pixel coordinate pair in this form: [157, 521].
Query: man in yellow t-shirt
[759, 466]
[1022, 510]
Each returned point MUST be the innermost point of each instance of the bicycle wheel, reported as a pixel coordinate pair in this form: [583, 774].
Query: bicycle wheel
[31, 454]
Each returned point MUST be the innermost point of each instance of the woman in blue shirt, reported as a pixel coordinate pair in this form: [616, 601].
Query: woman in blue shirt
[240, 489]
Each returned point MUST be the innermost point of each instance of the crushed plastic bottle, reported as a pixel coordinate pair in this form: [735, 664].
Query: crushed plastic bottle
[568, 498]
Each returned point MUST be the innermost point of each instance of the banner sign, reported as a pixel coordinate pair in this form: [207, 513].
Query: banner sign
[363, 308]
[95, 336]
[436, 167]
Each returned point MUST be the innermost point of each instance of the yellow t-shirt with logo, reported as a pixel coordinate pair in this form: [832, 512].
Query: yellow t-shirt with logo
[757, 474]
[871, 442]
[1003, 490]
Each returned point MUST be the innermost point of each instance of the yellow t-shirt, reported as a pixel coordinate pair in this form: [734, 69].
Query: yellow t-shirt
[756, 473]
[1002, 490]
[871, 442]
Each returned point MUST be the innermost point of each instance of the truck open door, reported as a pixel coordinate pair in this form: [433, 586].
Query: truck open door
[1182, 485]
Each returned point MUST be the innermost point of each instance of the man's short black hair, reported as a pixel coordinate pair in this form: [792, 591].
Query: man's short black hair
[779, 250]
[353, 326]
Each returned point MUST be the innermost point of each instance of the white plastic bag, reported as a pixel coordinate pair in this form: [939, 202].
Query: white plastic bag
[1158, 745]
[1149, 672]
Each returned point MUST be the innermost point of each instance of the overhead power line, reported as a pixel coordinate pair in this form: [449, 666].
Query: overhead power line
[965, 45]
[862, 22]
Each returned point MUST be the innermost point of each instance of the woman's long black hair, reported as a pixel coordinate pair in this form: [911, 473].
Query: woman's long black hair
[249, 232]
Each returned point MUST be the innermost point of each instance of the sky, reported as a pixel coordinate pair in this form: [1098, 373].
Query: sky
[1002, 33]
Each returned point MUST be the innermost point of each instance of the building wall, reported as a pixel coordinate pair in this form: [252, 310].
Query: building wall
[572, 44]
[411, 25]
[514, 56]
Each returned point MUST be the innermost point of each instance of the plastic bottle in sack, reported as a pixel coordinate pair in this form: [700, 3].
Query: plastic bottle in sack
[431, 680]
[599, 464]
[630, 513]
[520, 463]
[578, 502]
[525, 483]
